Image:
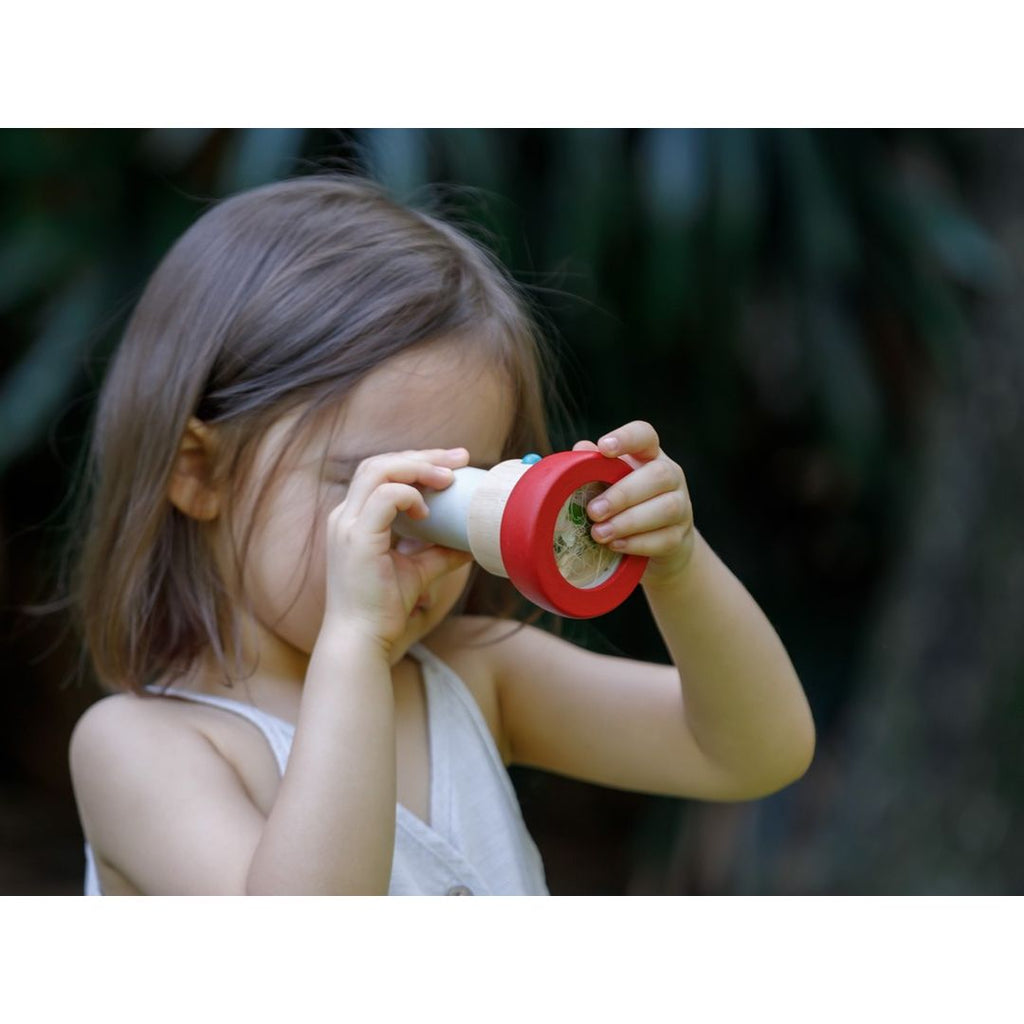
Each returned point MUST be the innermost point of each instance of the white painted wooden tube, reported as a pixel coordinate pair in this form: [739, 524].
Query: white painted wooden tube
[521, 517]
[449, 511]
[466, 515]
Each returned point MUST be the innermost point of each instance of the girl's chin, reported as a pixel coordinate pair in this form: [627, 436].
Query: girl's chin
[421, 623]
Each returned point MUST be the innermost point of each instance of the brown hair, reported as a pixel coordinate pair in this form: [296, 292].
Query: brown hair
[279, 298]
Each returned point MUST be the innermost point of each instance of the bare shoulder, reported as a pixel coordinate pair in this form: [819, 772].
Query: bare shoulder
[125, 737]
[127, 725]
[118, 725]
[163, 807]
[151, 735]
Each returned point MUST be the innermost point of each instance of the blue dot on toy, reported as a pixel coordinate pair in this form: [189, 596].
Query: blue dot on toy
[529, 460]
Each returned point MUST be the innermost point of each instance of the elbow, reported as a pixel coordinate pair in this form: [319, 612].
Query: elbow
[791, 760]
[787, 762]
[805, 746]
[798, 767]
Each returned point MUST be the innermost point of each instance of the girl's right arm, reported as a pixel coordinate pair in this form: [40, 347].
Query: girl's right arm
[332, 827]
[162, 806]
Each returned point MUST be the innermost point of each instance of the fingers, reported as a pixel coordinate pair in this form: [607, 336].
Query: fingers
[662, 476]
[655, 544]
[637, 439]
[647, 512]
[369, 529]
[385, 502]
[384, 485]
[436, 561]
[666, 512]
[428, 468]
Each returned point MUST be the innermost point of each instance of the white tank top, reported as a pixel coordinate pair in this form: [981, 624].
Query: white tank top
[476, 842]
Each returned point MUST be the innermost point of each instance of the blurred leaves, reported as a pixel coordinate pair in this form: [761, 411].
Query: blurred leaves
[32, 393]
[398, 158]
[33, 254]
[258, 156]
[674, 179]
[173, 148]
[964, 251]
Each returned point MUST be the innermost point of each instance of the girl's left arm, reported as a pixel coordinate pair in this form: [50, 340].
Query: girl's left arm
[728, 722]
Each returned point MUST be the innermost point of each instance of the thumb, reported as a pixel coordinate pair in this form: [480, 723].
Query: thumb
[437, 561]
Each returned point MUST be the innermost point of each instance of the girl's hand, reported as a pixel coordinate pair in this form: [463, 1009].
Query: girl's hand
[647, 512]
[373, 586]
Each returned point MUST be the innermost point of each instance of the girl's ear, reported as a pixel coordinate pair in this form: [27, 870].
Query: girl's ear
[192, 489]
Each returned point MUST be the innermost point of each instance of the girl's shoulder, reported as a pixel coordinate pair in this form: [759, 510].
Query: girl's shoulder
[135, 723]
[152, 738]
[157, 779]
[122, 721]
[122, 734]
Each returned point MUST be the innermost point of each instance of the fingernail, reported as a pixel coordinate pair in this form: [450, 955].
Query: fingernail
[598, 508]
[602, 531]
[609, 443]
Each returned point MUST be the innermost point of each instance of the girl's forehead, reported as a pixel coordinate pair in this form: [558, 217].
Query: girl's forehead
[441, 397]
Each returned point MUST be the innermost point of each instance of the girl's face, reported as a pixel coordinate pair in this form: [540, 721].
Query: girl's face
[443, 396]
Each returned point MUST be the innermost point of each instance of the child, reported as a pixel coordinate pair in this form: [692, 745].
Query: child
[307, 706]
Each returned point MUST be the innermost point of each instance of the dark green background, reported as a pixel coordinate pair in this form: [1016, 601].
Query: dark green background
[825, 328]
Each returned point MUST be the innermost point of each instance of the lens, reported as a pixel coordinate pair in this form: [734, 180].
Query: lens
[580, 559]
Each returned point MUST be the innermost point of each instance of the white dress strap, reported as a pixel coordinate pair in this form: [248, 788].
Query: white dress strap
[279, 733]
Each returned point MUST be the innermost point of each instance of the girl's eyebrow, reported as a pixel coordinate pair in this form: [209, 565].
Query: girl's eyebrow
[347, 462]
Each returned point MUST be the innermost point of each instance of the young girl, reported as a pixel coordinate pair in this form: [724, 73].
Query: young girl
[306, 704]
